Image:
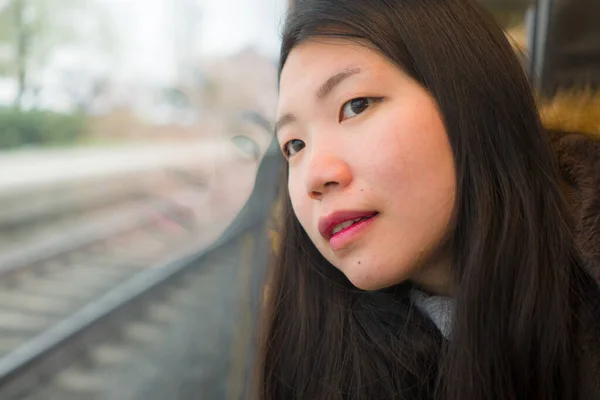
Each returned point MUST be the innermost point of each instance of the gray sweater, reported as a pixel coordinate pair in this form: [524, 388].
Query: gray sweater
[438, 308]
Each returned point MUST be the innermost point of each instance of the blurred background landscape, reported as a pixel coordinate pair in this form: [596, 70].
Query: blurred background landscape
[102, 71]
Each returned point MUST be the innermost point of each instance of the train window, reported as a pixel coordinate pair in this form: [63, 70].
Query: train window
[131, 134]
[557, 41]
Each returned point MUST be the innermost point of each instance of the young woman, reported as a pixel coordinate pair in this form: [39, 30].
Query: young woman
[427, 248]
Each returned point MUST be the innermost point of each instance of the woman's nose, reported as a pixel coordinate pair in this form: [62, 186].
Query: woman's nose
[327, 173]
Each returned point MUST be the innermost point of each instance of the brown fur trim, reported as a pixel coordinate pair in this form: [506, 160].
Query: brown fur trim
[573, 111]
[573, 121]
[578, 157]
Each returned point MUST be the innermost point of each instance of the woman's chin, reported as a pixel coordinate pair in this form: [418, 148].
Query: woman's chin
[371, 282]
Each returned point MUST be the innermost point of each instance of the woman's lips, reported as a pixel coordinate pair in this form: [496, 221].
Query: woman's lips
[344, 237]
[328, 223]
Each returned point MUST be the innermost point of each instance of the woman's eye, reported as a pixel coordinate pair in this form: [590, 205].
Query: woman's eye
[292, 147]
[352, 108]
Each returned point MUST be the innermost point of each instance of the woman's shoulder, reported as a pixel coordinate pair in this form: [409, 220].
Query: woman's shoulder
[578, 157]
[573, 123]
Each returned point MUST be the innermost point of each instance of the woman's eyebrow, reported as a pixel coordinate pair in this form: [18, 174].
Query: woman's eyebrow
[335, 80]
[323, 91]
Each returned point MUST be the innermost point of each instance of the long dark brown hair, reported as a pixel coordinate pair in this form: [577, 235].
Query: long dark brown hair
[513, 256]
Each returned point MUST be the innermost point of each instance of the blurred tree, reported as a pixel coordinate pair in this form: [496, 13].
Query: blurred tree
[31, 30]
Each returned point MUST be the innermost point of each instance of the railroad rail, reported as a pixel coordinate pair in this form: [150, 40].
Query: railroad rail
[49, 283]
[78, 305]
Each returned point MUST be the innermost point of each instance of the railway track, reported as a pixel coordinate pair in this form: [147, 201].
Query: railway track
[185, 340]
[44, 283]
[176, 330]
[68, 256]
[32, 214]
[132, 299]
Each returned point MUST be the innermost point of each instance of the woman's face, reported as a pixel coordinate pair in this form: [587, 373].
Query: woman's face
[364, 140]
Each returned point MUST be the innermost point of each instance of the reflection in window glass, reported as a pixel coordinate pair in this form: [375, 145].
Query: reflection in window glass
[131, 132]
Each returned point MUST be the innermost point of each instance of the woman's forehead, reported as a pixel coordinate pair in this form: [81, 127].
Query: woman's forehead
[313, 63]
[318, 58]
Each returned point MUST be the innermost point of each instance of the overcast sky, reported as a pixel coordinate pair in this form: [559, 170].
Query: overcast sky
[231, 24]
[147, 30]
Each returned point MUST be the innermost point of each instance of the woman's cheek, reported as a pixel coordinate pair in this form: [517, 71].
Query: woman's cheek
[298, 198]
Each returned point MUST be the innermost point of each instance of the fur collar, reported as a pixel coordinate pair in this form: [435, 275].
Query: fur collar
[573, 121]
[574, 128]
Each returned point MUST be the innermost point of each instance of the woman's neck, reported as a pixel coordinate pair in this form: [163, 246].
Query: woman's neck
[435, 278]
